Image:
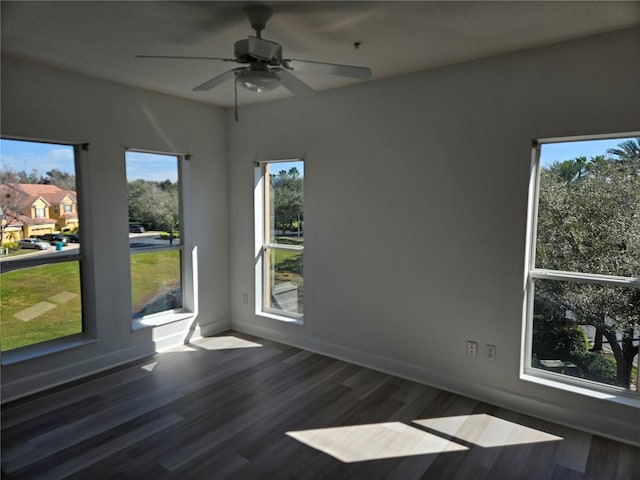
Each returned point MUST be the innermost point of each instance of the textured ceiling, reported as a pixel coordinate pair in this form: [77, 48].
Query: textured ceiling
[102, 38]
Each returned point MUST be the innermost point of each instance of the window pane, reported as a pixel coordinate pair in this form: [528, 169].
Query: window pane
[285, 282]
[589, 207]
[155, 282]
[40, 303]
[37, 190]
[154, 201]
[284, 202]
[587, 331]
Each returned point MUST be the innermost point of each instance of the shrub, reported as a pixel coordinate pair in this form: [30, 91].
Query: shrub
[558, 340]
[596, 367]
[11, 245]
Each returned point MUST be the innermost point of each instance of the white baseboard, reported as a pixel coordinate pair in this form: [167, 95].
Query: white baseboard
[563, 414]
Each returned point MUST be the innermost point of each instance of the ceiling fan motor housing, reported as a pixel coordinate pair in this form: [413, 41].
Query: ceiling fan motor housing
[254, 48]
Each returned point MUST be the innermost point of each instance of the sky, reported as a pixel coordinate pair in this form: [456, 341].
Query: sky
[20, 155]
[286, 166]
[151, 166]
[559, 152]
[26, 156]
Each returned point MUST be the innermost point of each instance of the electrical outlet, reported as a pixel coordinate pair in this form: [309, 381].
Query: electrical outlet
[490, 352]
[472, 348]
[245, 298]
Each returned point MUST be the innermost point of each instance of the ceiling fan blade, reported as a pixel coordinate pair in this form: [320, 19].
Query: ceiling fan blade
[351, 71]
[294, 84]
[176, 57]
[215, 81]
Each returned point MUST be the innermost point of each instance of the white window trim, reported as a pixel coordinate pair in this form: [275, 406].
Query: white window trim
[527, 372]
[188, 262]
[260, 247]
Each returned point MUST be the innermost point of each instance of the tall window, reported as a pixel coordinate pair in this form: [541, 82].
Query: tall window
[155, 238]
[40, 291]
[584, 277]
[280, 226]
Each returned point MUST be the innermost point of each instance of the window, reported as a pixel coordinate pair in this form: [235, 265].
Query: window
[68, 208]
[280, 237]
[41, 286]
[583, 288]
[155, 237]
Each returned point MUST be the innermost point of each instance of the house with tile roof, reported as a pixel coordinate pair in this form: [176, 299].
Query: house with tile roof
[35, 209]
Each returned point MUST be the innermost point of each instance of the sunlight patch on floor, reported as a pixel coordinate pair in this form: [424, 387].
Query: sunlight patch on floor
[359, 443]
[486, 430]
[149, 367]
[223, 343]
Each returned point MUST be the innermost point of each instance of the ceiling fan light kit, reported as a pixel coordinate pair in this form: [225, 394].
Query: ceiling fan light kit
[258, 80]
[265, 68]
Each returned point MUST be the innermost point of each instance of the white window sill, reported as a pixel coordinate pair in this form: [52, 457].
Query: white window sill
[281, 318]
[621, 397]
[45, 348]
[159, 319]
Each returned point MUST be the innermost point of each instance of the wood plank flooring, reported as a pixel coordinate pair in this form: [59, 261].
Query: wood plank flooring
[238, 407]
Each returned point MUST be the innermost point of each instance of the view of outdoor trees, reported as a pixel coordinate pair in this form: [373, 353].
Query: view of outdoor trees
[286, 227]
[154, 204]
[287, 200]
[589, 222]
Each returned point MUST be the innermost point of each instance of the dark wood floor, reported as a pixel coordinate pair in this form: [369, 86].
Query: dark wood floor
[237, 407]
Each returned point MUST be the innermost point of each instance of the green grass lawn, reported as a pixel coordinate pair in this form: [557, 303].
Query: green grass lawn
[56, 288]
[21, 290]
[288, 268]
[153, 274]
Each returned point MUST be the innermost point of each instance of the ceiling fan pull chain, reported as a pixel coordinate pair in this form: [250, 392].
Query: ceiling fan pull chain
[235, 89]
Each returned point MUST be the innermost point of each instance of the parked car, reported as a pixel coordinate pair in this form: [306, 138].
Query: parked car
[54, 238]
[136, 229]
[34, 243]
[72, 237]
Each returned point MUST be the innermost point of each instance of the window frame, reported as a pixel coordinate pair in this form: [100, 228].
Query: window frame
[527, 371]
[188, 309]
[263, 246]
[88, 334]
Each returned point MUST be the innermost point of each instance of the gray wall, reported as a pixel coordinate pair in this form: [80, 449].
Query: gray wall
[415, 213]
[49, 104]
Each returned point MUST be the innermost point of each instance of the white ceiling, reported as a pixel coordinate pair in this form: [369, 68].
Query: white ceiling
[102, 38]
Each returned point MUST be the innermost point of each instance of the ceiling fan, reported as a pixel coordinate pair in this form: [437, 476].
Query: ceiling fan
[264, 68]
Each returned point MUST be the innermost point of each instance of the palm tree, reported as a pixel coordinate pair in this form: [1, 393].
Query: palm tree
[627, 151]
[570, 170]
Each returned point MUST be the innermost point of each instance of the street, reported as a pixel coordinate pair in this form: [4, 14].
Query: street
[136, 240]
